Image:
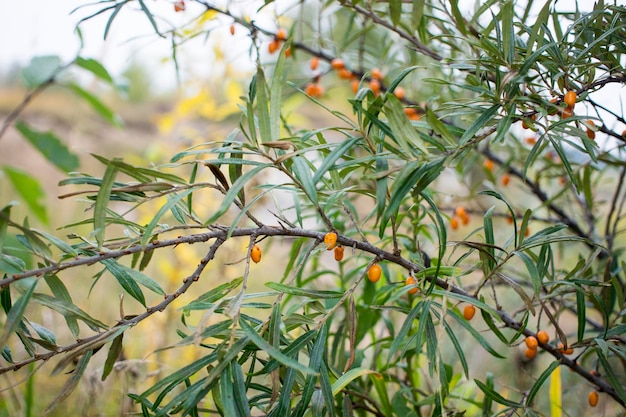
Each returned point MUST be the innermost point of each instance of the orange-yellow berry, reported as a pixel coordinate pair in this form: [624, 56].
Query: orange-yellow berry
[543, 337]
[179, 6]
[314, 63]
[454, 223]
[273, 46]
[374, 85]
[314, 90]
[570, 99]
[377, 74]
[567, 351]
[531, 342]
[338, 253]
[374, 272]
[255, 254]
[488, 164]
[411, 281]
[469, 311]
[281, 35]
[506, 179]
[232, 29]
[337, 64]
[344, 74]
[354, 84]
[399, 93]
[330, 240]
[593, 398]
[530, 353]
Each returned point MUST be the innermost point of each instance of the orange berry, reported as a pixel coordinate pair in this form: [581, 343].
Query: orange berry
[567, 113]
[454, 223]
[411, 113]
[469, 311]
[376, 74]
[465, 219]
[591, 134]
[506, 179]
[344, 74]
[531, 342]
[338, 253]
[374, 85]
[460, 211]
[530, 353]
[488, 164]
[337, 64]
[273, 46]
[179, 6]
[399, 93]
[374, 272]
[543, 337]
[255, 254]
[232, 29]
[314, 90]
[354, 84]
[570, 99]
[411, 281]
[314, 63]
[593, 398]
[567, 351]
[530, 140]
[330, 240]
[281, 35]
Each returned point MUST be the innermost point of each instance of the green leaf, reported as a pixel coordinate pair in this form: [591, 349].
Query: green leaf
[150, 17]
[493, 395]
[14, 316]
[95, 67]
[30, 190]
[263, 112]
[272, 351]
[102, 202]
[126, 280]
[304, 292]
[5, 216]
[50, 147]
[71, 384]
[478, 124]
[112, 356]
[479, 338]
[332, 157]
[68, 309]
[414, 176]
[60, 291]
[102, 109]
[350, 376]
[40, 69]
[542, 378]
[457, 347]
[233, 192]
[403, 130]
[581, 312]
[171, 202]
[276, 89]
[303, 174]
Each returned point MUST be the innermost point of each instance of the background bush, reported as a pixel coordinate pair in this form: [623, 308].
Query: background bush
[474, 154]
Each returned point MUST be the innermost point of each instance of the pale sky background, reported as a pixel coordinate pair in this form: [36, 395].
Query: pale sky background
[43, 27]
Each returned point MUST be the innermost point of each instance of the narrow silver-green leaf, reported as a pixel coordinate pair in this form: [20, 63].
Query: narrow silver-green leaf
[14, 316]
[403, 130]
[272, 351]
[102, 202]
[304, 292]
[125, 279]
[112, 356]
